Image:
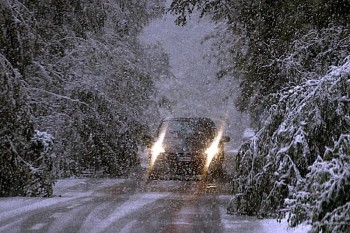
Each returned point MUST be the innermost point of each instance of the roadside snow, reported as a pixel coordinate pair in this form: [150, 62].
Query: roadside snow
[25, 205]
[65, 190]
[271, 225]
[65, 186]
[250, 224]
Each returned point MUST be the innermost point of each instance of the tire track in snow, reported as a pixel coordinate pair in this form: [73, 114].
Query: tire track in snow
[135, 203]
[12, 227]
[65, 220]
[94, 217]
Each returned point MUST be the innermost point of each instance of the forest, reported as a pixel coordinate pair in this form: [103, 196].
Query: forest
[77, 93]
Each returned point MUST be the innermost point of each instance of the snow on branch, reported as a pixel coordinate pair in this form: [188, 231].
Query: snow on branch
[13, 148]
[58, 96]
[290, 157]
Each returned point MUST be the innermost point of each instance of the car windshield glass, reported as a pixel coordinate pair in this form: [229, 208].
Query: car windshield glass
[188, 129]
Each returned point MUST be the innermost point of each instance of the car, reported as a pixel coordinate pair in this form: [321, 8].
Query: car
[182, 147]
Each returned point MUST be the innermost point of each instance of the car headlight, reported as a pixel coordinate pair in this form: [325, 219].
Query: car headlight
[213, 148]
[157, 148]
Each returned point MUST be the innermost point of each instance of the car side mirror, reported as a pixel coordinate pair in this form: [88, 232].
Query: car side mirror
[148, 141]
[225, 139]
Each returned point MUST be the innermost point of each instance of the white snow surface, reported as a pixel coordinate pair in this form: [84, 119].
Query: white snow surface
[63, 192]
[70, 189]
[249, 224]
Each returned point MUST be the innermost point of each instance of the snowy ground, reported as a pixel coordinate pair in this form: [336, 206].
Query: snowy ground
[131, 205]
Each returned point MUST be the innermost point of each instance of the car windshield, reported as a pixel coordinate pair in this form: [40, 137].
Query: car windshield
[188, 128]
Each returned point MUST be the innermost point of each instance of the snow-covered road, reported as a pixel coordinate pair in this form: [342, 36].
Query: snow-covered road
[130, 205]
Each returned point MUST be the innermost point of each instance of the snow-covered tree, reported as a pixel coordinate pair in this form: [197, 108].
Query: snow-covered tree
[301, 153]
[158, 64]
[85, 80]
[26, 159]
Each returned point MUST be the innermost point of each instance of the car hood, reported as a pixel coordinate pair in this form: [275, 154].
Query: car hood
[185, 145]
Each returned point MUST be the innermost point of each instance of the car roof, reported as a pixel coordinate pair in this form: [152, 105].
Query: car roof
[205, 119]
